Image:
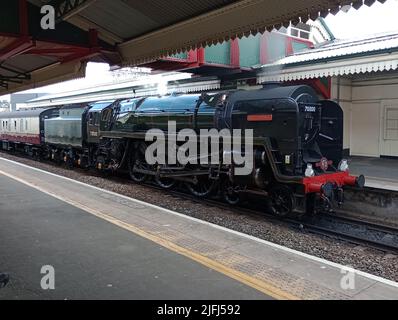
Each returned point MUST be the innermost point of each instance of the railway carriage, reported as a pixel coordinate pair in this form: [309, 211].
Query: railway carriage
[24, 129]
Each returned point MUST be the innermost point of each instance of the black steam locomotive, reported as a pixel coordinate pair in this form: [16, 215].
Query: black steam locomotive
[295, 155]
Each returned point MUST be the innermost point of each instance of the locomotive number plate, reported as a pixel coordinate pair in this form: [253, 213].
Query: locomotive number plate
[309, 109]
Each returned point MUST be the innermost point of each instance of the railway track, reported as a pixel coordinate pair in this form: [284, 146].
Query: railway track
[371, 235]
[359, 232]
[364, 233]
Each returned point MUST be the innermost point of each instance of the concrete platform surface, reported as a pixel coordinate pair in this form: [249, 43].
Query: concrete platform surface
[191, 258]
[380, 173]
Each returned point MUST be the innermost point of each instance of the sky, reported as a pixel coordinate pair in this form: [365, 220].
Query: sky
[365, 21]
[353, 23]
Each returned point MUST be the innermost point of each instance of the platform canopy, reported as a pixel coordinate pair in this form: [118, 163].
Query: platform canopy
[130, 32]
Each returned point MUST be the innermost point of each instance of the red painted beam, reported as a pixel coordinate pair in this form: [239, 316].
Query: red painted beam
[19, 46]
[235, 53]
[264, 48]
[318, 85]
[80, 55]
[193, 56]
[55, 51]
[289, 46]
[93, 38]
[201, 56]
[23, 18]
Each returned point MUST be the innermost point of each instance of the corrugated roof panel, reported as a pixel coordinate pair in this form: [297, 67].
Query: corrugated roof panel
[29, 62]
[131, 18]
[119, 18]
[340, 48]
[347, 57]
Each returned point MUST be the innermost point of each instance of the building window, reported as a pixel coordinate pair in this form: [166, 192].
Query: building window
[301, 30]
[304, 35]
[391, 124]
[294, 32]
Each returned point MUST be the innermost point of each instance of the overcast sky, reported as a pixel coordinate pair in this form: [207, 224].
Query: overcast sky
[365, 21]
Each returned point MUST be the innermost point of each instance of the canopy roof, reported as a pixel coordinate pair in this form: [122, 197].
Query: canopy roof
[337, 58]
[131, 31]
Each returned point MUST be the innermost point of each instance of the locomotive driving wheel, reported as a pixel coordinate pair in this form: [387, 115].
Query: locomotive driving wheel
[282, 200]
[231, 194]
[165, 183]
[202, 187]
[137, 162]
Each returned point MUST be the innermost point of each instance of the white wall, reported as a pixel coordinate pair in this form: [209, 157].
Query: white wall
[370, 105]
[344, 97]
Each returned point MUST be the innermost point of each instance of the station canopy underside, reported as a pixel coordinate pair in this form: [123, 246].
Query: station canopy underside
[131, 32]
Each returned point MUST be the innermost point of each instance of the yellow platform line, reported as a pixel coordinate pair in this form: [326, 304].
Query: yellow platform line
[244, 278]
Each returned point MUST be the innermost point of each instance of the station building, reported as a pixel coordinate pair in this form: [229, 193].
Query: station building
[360, 74]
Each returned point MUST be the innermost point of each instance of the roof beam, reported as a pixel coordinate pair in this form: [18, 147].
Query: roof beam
[19, 46]
[54, 73]
[65, 9]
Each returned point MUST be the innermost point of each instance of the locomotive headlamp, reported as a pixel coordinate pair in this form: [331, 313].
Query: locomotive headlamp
[343, 165]
[309, 172]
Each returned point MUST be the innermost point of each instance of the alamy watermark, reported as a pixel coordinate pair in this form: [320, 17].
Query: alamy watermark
[203, 148]
[347, 282]
[48, 280]
[47, 22]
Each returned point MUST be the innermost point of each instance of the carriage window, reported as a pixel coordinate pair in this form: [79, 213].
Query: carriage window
[15, 125]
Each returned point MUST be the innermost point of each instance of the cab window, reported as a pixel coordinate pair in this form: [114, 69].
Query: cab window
[106, 115]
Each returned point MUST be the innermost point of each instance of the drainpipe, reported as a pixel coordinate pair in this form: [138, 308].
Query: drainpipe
[338, 89]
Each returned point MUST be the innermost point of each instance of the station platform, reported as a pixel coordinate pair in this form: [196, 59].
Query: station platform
[106, 246]
[380, 173]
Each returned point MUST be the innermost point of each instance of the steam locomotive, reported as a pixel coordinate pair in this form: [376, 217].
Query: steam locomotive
[295, 154]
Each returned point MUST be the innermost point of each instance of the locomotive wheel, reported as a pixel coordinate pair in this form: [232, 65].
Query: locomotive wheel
[282, 200]
[137, 160]
[165, 183]
[203, 187]
[230, 195]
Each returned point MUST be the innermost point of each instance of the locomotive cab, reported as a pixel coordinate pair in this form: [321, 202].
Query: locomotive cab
[299, 140]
